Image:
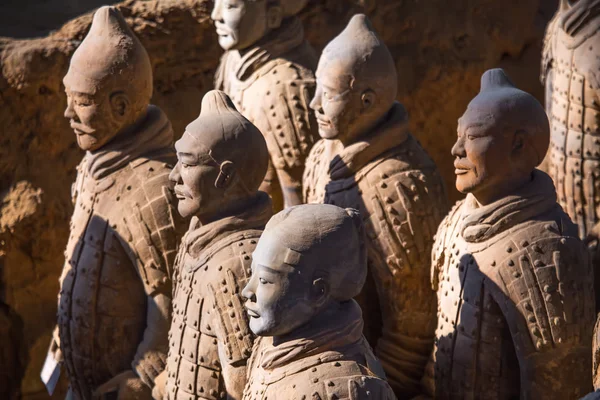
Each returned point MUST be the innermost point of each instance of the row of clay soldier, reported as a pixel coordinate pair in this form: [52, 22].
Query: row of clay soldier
[178, 284]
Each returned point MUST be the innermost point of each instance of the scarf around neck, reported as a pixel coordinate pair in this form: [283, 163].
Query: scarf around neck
[480, 223]
[153, 138]
[576, 21]
[334, 329]
[388, 135]
[199, 237]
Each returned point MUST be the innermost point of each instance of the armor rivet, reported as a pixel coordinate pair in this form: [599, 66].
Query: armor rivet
[509, 249]
[511, 263]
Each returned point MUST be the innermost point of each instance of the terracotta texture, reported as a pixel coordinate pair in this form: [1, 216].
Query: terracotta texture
[439, 55]
[570, 70]
[308, 265]
[267, 70]
[222, 161]
[368, 160]
[115, 288]
[514, 283]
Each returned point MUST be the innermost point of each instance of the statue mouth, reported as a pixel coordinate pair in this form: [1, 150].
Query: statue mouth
[460, 169]
[323, 123]
[252, 313]
[81, 130]
[179, 193]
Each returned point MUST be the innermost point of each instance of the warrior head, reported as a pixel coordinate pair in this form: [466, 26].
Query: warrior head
[308, 257]
[222, 159]
[109, 82]
[242, 23]
[356, 83]
[502, 137]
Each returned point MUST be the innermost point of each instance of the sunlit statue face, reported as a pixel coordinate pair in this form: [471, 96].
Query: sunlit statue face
[336, 104]
[356, 83]
[240, 23]
[194, 176]
[95, 118]
[482, 155]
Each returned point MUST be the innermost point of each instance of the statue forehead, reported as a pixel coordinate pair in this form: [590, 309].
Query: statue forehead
[191, 144]
[485, 122]
[333, 70]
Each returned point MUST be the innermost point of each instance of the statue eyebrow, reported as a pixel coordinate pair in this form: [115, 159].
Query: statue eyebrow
[271, 270]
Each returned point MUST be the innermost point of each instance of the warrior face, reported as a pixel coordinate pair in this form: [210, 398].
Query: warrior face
[279, 299]
[356, 83]
[502, 137]
[337, 104]
[308, 257]
[241, 23]
[195, 176]
[95, 118]
[488, 156]
[109, 81]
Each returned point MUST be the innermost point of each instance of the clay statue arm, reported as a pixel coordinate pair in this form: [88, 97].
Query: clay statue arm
[230, 322]
[151, 355]
[291, 186]
[560, 373]
[399, 257]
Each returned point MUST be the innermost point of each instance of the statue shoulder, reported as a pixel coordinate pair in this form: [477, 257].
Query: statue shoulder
[152, 227]
[230, 264]
[405, 207]
[283, 114]
[549, 280]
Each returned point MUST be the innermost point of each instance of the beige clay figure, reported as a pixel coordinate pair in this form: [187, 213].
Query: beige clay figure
[267, 70]
[514, 283]
[571, 72]
[368, 160]
[115, 289]
[222, 161]
[308, 265]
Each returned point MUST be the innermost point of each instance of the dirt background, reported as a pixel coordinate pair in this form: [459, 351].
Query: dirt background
[441, 49]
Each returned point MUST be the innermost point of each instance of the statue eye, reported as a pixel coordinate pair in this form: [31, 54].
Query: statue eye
[327, 96]
[83, 103]
[263, 281]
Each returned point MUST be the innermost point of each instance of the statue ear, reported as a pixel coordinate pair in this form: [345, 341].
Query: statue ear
[119, 104]
[226, 173]
[320, 291]
[519, 141]
[274, 16]
[368, 98]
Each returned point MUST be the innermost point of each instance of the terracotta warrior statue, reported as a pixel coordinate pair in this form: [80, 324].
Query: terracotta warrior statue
[267, 70]
[571, 74]
[223, 159]
[308, 265]
[368, 160]
[514, 283]
[115, 288]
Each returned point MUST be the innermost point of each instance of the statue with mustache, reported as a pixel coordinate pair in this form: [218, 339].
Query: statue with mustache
[115, 289]
[513, 279]
[222, 159]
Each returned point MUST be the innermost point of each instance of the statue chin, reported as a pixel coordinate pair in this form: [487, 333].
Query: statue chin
[87, 142]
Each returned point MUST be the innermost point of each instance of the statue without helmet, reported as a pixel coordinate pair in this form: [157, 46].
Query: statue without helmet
[308, 265]
[267, 70]
[367, 159]
[513, 280]
[222, 161]
[115, 288]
